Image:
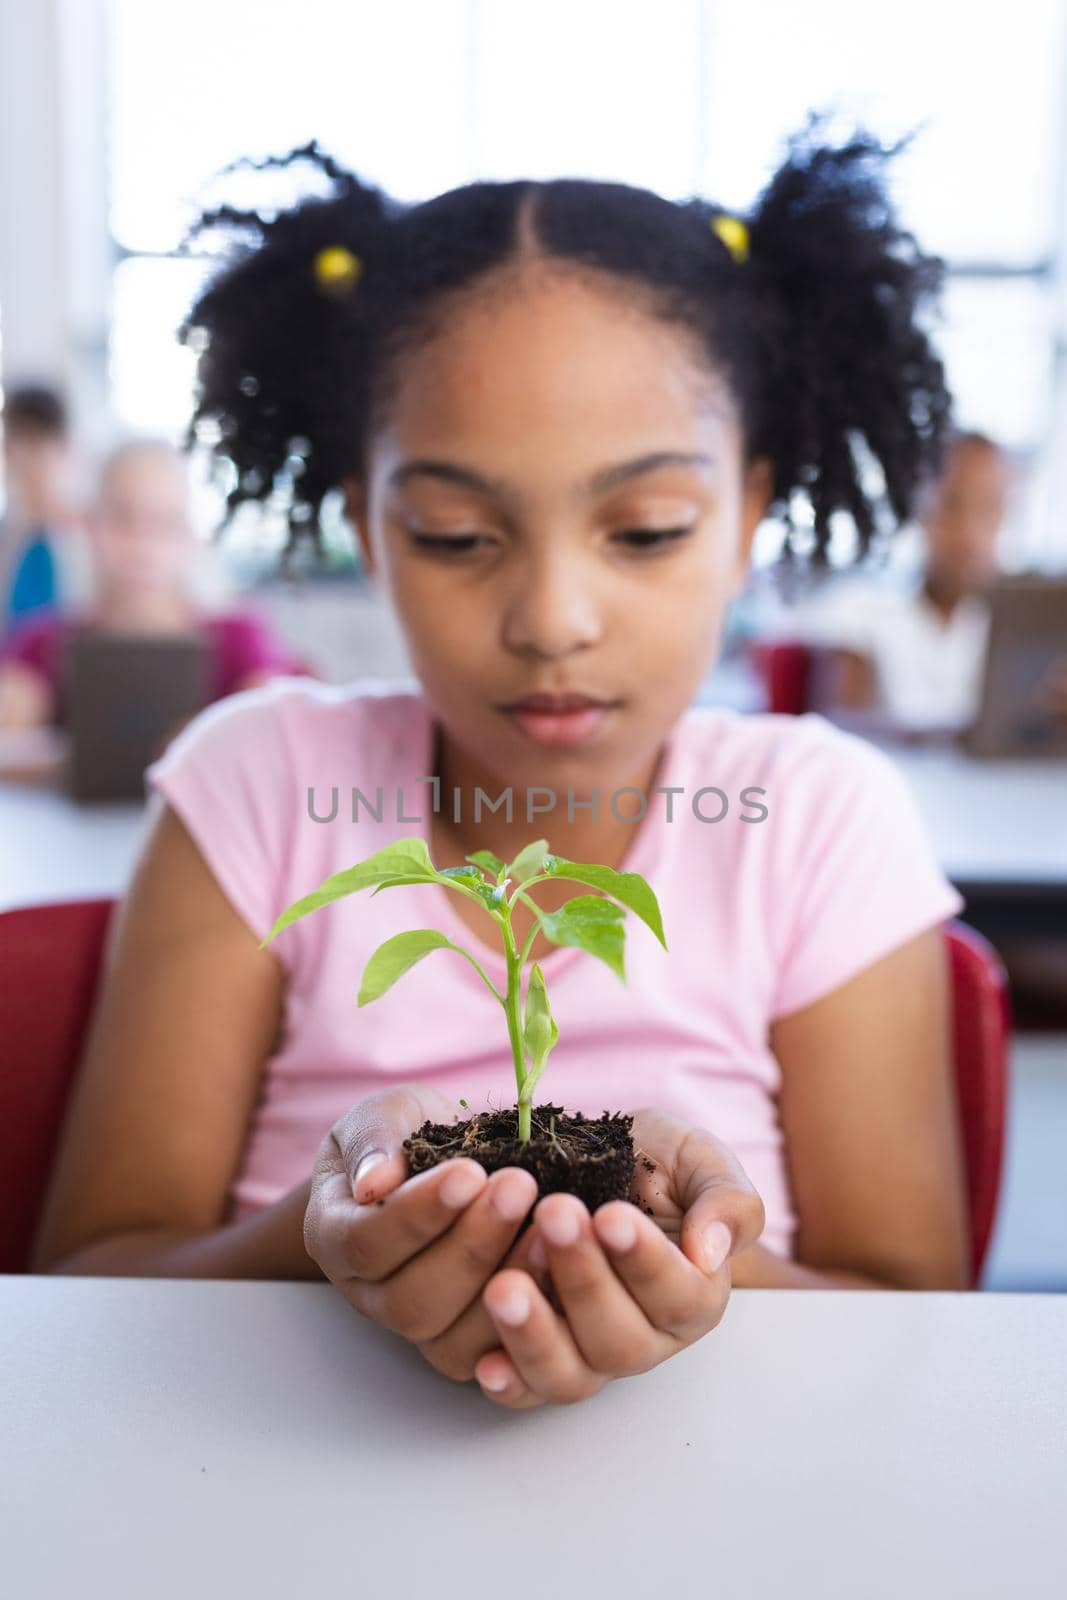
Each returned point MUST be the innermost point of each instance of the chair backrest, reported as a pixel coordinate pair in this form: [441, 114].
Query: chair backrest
[982, 1027]
[49, 964]
[50, 961]
[784, 667]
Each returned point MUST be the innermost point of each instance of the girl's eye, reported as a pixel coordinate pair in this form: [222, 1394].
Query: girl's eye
[651, 538]
[446, 545]
[459, 544]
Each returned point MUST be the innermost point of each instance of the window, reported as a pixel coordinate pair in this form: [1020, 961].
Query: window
[684, 97]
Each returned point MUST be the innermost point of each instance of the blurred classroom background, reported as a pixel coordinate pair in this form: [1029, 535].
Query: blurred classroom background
[949, 649]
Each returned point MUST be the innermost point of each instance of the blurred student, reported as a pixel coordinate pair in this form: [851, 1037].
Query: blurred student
[39, 564]
[144, 553]
[914, 651]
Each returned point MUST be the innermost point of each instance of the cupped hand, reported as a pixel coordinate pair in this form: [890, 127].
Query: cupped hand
[629, 1290]
[415, 1255]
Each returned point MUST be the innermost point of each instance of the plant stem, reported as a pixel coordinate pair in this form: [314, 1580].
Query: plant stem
[513, 1012]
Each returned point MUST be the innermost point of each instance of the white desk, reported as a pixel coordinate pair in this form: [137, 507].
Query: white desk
[53, 849]
[205, 1439]
[991, 821]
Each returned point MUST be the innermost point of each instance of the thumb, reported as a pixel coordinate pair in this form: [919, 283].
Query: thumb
[371, 1137]
[723, 1212]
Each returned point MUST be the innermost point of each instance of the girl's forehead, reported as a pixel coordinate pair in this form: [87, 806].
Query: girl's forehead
[552, 357]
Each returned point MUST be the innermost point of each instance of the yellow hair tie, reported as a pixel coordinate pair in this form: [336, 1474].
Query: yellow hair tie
[734, 235]
[337, 269]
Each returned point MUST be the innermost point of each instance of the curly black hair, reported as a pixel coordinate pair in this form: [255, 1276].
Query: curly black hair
[817, 325]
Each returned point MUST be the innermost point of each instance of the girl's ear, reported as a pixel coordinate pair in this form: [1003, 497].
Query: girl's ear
[356, 512]
[755, 503]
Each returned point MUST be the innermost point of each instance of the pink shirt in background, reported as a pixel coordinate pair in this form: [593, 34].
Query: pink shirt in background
[762, 918]
[241, 643]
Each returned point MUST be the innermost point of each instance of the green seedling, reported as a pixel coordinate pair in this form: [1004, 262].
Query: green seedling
[593, 922]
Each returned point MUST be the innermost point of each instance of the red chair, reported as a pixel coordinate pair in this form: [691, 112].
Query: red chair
[49, 964]
[982, 1028]
[784, 669]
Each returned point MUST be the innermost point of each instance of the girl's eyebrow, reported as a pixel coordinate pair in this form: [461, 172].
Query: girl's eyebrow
[607, 478]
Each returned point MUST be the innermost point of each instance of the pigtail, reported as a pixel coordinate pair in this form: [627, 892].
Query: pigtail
[282, 334]
[849, 381]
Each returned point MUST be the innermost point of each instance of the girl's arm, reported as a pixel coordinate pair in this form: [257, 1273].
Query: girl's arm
[159, 1113]
[867, 1108]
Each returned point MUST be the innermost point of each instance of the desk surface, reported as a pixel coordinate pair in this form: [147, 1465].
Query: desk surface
[53, 849]
[209, 1438]
[991, 821]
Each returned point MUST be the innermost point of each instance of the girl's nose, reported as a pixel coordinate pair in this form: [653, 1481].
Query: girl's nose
[553, 606]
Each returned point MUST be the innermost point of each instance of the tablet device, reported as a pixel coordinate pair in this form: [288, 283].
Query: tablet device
[1027, 633]
[124, 698]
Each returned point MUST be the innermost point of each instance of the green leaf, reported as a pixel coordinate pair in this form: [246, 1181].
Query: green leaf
[491, 863]
[465, 874]
[528, 861]
[405, 877]
[407, 859]
[629, 887]
[468, 877]
[592, 923]
[540, 1032]
[393, 958]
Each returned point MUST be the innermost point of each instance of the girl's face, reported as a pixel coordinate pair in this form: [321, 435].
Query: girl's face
[558, 505]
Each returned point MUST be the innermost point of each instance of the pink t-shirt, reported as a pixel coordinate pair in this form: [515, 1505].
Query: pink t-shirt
[762, 918]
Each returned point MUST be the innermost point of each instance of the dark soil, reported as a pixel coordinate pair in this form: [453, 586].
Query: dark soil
[591, 1158]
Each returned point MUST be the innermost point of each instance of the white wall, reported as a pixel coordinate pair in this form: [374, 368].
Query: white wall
[55, 254]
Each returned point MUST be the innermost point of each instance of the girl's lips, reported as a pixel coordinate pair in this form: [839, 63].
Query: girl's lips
[559, 727]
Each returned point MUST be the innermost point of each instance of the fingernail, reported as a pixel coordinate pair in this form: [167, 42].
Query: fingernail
[617, 1231]
[494, 1383]
[537, 1256]
[460, 1187]
[372, 1159]
[717, 1241]
[559, 1227]
[511, 1198]
[514, 1308]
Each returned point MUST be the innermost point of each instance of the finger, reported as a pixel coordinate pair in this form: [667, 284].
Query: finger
[370, 1243]
[425, 1296]
[610, 1329]
[723, 1214]
[500, 1382]
[538, 1340]
[676, 1297]
[371, 1137]
[629, 1295]
[456, 1350]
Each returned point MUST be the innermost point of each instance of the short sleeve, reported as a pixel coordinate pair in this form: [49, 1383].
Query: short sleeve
[854, 872]
[248, 644]
[227, 777]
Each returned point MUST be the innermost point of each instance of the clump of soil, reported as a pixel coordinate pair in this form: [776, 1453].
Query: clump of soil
[567, 1154]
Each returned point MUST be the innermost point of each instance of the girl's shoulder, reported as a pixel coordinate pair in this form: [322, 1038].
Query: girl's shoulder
[840, 869]
[808, 752]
